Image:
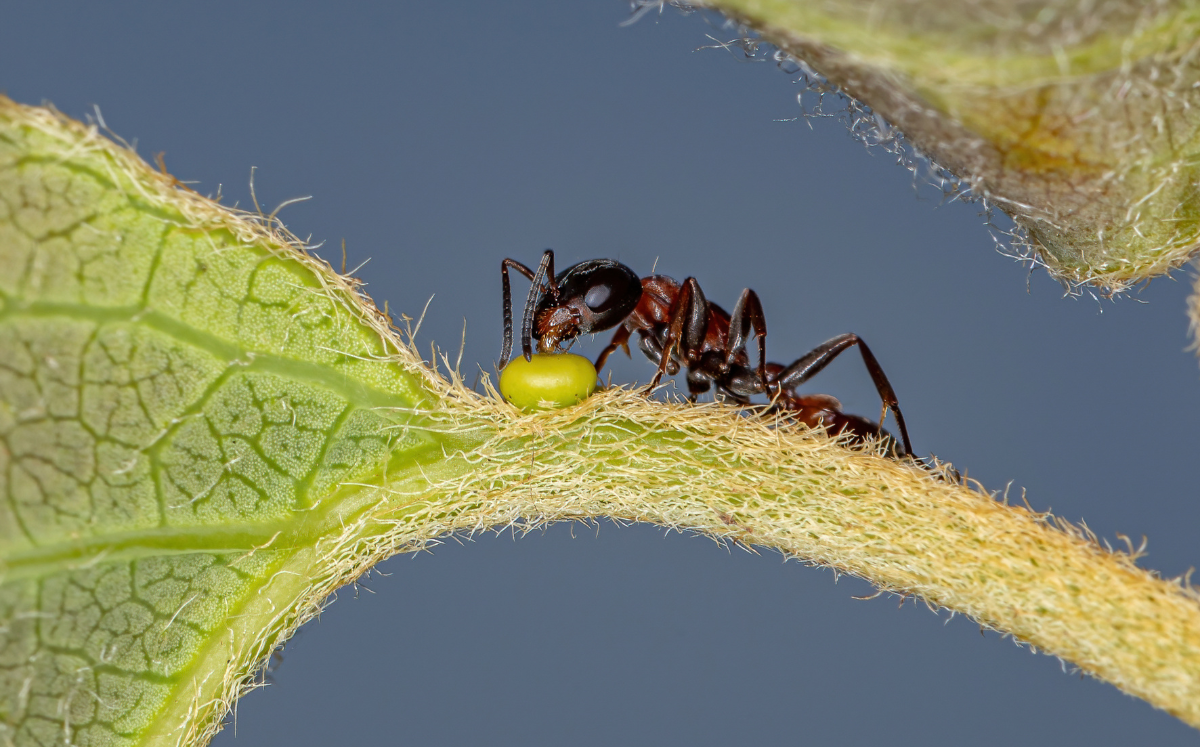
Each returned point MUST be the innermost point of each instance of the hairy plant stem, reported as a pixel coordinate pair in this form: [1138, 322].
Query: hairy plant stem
[902, 528]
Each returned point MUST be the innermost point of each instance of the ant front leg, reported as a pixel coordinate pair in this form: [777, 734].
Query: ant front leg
[619, 340]
[506, 351]
[688, 322]
[748, 313]
[814, 362]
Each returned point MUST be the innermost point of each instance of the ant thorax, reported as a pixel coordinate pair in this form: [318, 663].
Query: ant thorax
[556, 325]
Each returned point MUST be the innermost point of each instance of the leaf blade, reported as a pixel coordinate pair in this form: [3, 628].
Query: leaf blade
[178, 404]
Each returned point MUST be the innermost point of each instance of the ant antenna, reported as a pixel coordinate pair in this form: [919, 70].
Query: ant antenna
[546, 266]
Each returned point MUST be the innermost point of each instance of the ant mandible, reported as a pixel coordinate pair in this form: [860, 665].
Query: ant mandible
[677, 327]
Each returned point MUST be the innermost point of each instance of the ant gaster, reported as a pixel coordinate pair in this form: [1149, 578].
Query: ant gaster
[677, 328]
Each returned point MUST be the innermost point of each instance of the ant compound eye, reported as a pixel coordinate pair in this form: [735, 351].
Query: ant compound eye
[597, 296]
[608, 289]
[547, 381]
[613, 288]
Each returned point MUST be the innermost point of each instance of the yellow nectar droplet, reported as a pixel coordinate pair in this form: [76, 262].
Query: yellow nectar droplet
[548, 380]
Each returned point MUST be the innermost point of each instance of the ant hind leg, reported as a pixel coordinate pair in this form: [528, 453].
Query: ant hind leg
[811, 364]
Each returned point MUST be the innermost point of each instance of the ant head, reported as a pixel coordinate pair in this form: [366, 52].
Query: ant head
[592, 296]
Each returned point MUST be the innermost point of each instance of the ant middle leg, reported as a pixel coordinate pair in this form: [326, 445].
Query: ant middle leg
[810, 365]
[748, 314]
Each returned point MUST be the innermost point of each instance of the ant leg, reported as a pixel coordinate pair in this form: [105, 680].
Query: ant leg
[546, 267]
[746, 314]
[619, 340]
[698, 382]
[811, 364]
[696, 317]
[506, 351]
[685, 330]
[650, 345]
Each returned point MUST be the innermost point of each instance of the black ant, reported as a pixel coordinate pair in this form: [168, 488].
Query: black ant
[677, 327]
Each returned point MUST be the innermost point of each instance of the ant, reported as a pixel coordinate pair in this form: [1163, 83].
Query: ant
[678, 327]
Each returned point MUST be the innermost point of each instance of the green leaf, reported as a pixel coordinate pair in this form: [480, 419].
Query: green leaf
[1077, 120]
[179, 404]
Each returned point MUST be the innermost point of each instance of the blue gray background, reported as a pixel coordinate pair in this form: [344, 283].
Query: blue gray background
[437, 138]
